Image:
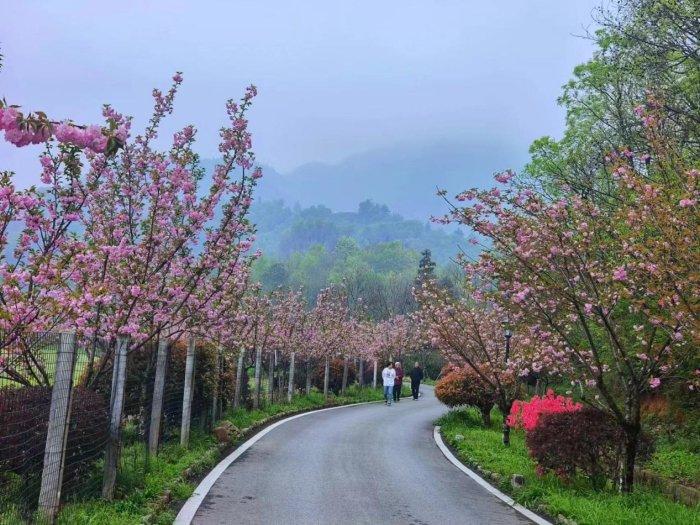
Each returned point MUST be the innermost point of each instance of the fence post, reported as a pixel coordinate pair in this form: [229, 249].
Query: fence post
[290, 387]
[326, 376]
[258, 364]
[187, 394]
[158, 392]
[116, 401]
[345, 376]
[374, 374]
[215, 394]
[361, 371]
[239, 379]
[57, 431]
[308, 376]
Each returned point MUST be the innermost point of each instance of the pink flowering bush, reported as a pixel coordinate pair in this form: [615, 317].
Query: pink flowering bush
[526, 414]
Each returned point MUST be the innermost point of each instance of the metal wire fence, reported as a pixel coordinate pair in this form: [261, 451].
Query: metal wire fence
[81, 419]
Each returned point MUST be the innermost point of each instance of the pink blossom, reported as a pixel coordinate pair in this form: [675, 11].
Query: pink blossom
[620, 274]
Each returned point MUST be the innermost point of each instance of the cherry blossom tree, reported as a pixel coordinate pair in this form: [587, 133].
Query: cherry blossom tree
[603, 290]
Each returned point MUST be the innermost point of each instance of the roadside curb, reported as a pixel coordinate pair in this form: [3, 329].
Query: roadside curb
[485, 484]
[189, 509]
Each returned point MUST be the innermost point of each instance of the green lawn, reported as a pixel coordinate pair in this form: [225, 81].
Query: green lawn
[482, 447]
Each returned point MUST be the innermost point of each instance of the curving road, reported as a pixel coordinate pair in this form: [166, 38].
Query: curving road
[362, 464]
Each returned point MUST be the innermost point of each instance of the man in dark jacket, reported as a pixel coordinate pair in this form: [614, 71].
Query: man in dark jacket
[416, 376]
[398, 382]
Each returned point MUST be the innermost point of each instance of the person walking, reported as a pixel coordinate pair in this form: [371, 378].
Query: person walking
[388, 378]
[416, 376]
[398, 382]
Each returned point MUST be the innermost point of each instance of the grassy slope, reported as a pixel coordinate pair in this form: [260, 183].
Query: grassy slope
[141, 501]
[483, 448]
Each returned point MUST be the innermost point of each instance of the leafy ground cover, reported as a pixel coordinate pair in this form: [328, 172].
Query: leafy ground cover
[577, 500]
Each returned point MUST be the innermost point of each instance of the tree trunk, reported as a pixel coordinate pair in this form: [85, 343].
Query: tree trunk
[271, 377]
[258, 366]
[344, 385]
[374, 375]
[629, 459]
[504, 407]
[188, 393]
[158, 393]
[290, 387]
[308, 376]
[239, 381]
[486, 416]
[326, 377]
[361, 377]
[217, 382]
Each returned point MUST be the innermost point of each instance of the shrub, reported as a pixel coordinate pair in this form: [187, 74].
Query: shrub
[462, 386]
[24, 416]
[585, 440]
[335, 379]
[526, 414]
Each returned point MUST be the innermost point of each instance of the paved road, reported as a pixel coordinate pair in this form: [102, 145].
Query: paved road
[365, 464]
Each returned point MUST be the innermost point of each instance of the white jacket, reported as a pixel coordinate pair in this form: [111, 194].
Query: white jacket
[388, 376]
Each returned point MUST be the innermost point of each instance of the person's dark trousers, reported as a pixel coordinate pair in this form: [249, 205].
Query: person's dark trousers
[415, 386]
[397, 393]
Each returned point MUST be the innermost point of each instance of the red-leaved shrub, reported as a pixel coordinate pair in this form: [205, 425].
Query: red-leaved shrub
[462, 386]
[585, 440]
[526, 414]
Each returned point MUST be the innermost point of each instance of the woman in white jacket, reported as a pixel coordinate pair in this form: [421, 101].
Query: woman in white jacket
[388, 378]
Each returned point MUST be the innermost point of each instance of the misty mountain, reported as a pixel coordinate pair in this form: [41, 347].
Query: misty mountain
[404, 177]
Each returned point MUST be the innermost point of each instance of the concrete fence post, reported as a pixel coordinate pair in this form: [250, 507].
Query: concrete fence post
[326, 376]
[116, 409]
[158, 393]
[258, 370]
[57, 431]
[374, 374]
[187, 393]
[239, 380]
[290, 386]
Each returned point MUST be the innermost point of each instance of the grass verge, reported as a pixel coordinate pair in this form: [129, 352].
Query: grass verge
[482, 449]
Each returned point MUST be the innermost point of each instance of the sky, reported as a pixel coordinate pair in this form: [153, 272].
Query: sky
[334, 78]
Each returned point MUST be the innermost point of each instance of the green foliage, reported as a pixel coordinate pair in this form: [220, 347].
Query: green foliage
[676, 463]
[577, 500]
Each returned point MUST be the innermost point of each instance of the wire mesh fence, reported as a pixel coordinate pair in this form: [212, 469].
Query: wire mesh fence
[81, 419]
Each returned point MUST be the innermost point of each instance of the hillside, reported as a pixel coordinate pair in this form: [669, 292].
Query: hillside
[285, 230]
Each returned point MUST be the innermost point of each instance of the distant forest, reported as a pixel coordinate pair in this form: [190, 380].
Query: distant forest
[284, 230]
[376, 253]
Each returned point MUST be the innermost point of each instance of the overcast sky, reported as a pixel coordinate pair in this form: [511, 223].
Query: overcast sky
[334, 78]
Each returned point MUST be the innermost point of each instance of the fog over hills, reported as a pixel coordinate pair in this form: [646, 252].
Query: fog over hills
[404, 177]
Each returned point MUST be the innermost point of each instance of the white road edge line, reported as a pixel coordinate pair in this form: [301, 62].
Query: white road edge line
[189, 509]
[481, 481]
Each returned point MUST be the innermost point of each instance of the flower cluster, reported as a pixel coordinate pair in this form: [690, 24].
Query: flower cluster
[526, 414]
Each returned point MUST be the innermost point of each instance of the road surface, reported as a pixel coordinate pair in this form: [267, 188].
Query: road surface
[364, 464]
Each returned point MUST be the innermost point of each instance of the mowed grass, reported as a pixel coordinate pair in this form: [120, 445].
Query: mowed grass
[576, 500]
[140, 494]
